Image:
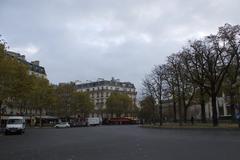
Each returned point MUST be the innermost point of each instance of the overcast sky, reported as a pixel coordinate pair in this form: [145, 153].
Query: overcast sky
[90, 39]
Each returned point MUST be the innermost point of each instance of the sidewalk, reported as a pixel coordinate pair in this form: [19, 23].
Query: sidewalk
[227, 126]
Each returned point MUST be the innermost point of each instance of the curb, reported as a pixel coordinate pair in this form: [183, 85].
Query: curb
[190, 128]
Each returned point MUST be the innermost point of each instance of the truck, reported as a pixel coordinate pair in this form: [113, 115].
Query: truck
[15, 124]
[93, 121]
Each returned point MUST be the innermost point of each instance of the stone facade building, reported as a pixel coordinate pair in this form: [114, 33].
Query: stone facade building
[101, 89]
[34, 66]
[223, 110]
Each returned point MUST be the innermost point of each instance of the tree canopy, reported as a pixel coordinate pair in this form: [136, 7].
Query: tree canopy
[119, 104]
[21, 89]
[201, 69]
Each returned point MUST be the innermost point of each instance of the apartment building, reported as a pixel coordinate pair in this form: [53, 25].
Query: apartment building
[34, 66]
[101, 89]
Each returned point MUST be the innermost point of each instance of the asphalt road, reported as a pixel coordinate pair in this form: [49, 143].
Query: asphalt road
[121, 143]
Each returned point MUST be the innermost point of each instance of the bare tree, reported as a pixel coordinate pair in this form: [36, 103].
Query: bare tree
[149, 91]
[203, 66]
[194, 62]
[158, 86]
[187, 87]
[171, 88]
[174, 64]
[231, 36]
[216, 65]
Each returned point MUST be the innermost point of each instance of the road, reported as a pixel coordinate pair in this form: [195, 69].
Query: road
[121, 143]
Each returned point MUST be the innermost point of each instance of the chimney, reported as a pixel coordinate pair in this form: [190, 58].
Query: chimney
[22, 57]
[35, 63]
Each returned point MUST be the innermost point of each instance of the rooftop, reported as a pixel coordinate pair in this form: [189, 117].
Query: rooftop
[102, 82]
[33, 66]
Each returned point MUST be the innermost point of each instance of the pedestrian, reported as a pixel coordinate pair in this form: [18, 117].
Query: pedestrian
[192, 120]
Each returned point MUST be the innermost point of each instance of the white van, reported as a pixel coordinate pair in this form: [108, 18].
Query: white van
[93, 121]
[15, 124]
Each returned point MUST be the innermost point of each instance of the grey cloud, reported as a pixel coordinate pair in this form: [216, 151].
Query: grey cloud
[79, 39]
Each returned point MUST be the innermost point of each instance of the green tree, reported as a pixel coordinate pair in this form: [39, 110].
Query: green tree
[147, 111]
[14, 80]
[21, 87]
[41, 97]
[119, 104]
[82, 104]
[65, 100]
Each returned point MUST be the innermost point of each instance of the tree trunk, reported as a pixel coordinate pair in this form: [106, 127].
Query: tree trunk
[203, 112]
[232, 106]
[185, 114]
[179, 102]
[202, 102]
[1, 125]
[180, 112]
[40, 118]
[20, 110]
[214, 110]
[179, 107]
[160, 114]
[185, 107]
[174, 111]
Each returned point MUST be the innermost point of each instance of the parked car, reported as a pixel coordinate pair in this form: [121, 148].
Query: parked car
[15, 124]
[62, 125]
